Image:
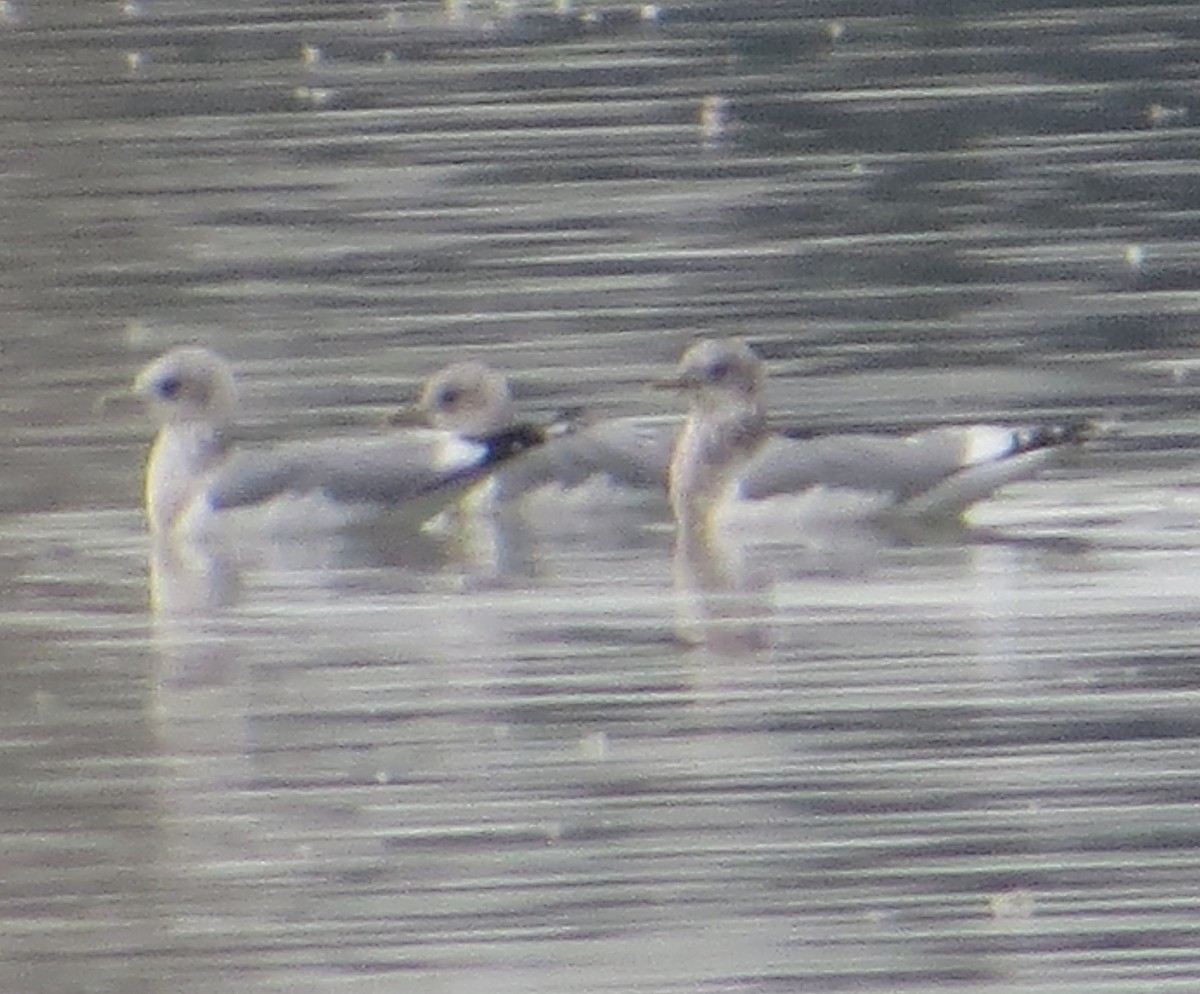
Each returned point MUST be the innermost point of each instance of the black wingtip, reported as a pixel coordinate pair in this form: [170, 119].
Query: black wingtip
[512, 442]
[1073, 432]
[521, 438]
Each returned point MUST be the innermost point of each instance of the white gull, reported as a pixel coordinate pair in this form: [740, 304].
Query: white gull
[618, 460]
[196, 480]
[730, 472]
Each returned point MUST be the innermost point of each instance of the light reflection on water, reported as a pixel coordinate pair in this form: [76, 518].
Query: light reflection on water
[575, 760]
[952, 759]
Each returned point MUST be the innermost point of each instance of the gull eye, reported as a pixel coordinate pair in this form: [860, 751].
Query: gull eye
[719, 369]
[168, 388]
[449, 396]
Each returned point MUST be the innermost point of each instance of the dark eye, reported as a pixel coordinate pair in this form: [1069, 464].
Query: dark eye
[169, 387]
[449, 396]
[719, 369]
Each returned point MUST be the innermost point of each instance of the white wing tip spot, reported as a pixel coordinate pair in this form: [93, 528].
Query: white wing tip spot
[988, 443]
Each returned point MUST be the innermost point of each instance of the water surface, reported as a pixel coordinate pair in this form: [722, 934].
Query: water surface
[565, 761]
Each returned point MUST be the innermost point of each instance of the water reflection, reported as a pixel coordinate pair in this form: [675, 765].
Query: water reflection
[192, 578]
[581, 759]
[723, 604]
[731, 596]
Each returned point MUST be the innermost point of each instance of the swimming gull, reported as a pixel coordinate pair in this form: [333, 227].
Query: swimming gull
[626, 457]
[195, 478]
[729, 470]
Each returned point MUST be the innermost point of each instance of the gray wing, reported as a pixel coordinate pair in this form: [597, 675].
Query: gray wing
[901, 466]
[382, 471]
[634, 452]
[630, 452]
[251, 477]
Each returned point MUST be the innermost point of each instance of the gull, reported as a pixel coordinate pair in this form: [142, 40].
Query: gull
[615, 460]
[730, 473]
[196, 480]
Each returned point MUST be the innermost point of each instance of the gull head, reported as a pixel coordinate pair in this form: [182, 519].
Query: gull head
[725, 426]
[719, 374]
[188, 385]
[468, 399]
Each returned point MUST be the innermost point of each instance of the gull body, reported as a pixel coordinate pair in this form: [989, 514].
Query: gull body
[620, 460]
[197, 482]
[729, 471]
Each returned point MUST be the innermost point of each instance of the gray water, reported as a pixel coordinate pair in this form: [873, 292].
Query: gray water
[563, 761]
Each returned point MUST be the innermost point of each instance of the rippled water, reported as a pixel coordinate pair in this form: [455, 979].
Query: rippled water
[565, 761]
